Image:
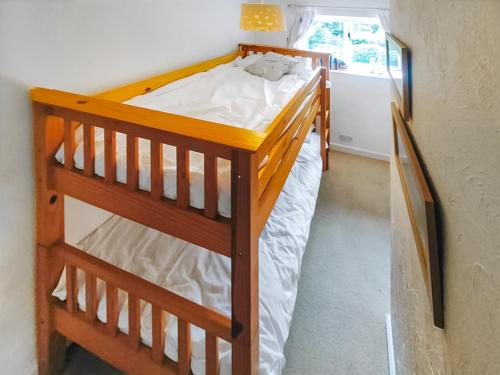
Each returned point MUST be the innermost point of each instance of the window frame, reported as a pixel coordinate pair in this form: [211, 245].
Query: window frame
[353, 68]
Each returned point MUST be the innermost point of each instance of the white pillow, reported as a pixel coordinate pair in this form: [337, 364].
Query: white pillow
[303, 68]
[246, 61]
[272, 66]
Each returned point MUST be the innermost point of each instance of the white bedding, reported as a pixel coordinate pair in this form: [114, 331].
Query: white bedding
[226, 94]
[204, 277]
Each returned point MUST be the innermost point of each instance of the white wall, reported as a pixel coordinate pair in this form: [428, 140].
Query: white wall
[456, 127]
[82, 46]
[361, 110]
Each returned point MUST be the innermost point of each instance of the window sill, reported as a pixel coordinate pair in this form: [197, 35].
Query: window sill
[361, 74]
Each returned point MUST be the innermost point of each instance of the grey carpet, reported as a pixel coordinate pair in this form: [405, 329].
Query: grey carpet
[339, 321]
[344, 292]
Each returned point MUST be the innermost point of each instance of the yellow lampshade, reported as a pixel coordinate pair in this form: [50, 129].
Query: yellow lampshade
[262, 17]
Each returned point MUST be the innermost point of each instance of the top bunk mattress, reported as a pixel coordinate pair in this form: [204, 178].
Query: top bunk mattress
[226, 94]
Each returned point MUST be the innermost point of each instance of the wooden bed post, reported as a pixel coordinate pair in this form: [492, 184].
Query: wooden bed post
[48, 133]
[325, 63]
[324, 115]
[242, 50]
[245, 264]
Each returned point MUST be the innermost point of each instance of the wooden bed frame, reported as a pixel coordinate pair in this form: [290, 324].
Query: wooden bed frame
[254, 191]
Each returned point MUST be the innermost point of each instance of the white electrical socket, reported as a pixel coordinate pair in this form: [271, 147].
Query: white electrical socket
[345, 138]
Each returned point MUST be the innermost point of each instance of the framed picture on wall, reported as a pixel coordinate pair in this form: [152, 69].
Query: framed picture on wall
[422, 213]
[399, 68]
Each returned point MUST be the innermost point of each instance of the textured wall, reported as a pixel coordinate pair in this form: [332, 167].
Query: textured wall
[456, 95]
[83, 46]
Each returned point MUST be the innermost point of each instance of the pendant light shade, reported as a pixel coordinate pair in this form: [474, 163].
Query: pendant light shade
[262, 17]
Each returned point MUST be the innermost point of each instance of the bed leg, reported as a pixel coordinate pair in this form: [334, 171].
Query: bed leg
[51, 346]
[246, 358]
[245, 265]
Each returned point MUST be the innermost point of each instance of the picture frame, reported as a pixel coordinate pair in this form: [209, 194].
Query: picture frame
[422, 213]
[399, 69]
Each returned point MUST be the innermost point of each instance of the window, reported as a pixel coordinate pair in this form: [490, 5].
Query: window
[357, 44]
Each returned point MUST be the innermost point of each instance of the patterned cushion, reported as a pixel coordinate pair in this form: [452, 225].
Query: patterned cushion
[272, 66]
[246, 61]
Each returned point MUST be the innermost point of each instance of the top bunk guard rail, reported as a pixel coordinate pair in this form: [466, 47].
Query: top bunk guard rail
[202, 136]
[260, 164]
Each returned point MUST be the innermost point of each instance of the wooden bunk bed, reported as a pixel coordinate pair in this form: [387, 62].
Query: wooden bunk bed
[254, 191]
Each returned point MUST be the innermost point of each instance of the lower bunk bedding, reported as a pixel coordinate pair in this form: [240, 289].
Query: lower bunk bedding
[204, 277]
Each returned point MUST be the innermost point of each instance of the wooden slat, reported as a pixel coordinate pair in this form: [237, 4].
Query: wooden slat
[196, 144]
[279, 124]
[197, 315]
[112, 309]
[156, 170]
[132, 162]
[182, 177]
[184, 333]
[90, 297]
[188, 225]
[88, 149]
[211, 354]
[210, 177]
[268, 198]
[158, 334]
[134, 321]
[69, 144]
[277, 152]
[109, 155]
[114, 350]
[315, 62]
[149, 123]
[71, 288]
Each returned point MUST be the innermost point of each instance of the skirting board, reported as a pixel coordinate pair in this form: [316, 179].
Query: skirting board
[33, 370]
[360, 152]
[390, 344]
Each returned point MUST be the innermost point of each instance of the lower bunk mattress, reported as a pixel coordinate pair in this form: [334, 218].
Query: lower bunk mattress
[204, 277]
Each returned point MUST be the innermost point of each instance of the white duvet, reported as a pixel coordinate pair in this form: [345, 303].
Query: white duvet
[226, 94]
[204, 277]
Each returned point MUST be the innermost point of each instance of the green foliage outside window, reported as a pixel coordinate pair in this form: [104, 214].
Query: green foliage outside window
[367, 54]
[327, 34]
[360, 42]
